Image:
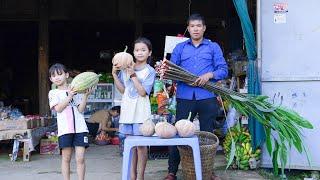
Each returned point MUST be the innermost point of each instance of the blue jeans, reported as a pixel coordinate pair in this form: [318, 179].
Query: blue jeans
[207, 110]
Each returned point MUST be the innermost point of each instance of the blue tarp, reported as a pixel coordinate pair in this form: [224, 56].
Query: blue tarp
[256, 129]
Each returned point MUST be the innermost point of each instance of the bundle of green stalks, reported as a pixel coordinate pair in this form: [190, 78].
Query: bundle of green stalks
[286, 124]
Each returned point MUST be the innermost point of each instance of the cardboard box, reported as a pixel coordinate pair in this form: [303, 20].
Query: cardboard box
[16, 124]
[48, 146]
[43, 122]
[12, 134]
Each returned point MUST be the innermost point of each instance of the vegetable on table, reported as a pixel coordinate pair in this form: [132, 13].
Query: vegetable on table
[165, 130]
[185, 127]
[147, 128]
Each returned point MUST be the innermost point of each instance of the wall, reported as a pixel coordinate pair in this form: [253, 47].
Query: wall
[290, 68]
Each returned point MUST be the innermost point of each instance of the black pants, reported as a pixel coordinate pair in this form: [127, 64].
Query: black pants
[207, 110]
[93, 128]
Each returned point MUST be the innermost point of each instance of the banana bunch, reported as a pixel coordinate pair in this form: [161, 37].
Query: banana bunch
[244, 151]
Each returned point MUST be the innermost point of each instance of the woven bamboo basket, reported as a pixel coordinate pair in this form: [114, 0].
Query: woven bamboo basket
[208, 147]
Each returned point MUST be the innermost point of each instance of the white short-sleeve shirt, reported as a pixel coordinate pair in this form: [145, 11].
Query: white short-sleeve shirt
[70, 120]
[135, 108]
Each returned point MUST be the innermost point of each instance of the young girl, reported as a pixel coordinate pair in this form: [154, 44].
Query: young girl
[135, 105]
[72, 129]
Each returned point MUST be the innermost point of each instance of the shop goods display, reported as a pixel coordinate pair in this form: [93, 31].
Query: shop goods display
[165, 130]
[50, 145]
[123, 60]
[102, 138]
[147, 128]
[23, 122]
[100, 101]
[106, 78]
[157, 87]
[84, 81]
[285, 123]
[185, 127]
[243, 153]
[115, 140]
[163, 102]
[10, 113]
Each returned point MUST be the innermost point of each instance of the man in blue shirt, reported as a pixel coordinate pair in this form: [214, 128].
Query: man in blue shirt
[205, 59]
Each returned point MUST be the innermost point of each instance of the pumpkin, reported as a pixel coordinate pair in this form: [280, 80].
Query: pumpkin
[185, 127]
[84, 81]
[147, 128]
[123, 60]
[165, 130]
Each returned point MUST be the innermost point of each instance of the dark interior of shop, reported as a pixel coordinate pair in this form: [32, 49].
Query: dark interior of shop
[88, 41]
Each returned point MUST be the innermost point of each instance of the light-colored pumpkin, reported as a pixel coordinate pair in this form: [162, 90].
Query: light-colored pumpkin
[147, 128]
[123, 60]
[185, 127]
[165, 130]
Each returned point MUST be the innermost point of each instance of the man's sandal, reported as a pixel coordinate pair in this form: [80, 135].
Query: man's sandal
[170, 176]
[214, 177]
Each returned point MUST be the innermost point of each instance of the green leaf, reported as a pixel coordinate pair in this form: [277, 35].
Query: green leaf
[283, 155]
[268, 110]
[238, 126]
[261, 98]
[232, 153]
[242, 99]
[283, 131]
[275, 158]
[239, 107]
[268, 140]
[308, 155]
[293, 116]
[297, 142]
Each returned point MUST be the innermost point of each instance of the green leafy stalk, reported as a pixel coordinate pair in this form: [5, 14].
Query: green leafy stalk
[287, 124]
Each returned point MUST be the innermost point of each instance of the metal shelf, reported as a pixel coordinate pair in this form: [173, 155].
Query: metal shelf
[96, 104]
[100, 100]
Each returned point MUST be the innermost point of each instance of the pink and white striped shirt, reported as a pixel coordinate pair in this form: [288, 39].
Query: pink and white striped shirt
[70, 120]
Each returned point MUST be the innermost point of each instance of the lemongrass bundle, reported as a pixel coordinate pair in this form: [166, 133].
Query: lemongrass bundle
[286, 123]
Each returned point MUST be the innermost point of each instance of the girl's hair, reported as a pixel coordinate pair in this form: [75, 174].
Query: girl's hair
[147, 42]
[59, 68]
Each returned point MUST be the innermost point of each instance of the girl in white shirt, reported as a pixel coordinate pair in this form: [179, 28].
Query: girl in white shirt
[135, 105]
[72, 129]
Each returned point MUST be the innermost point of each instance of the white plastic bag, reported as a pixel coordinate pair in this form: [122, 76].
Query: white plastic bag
[231, 119]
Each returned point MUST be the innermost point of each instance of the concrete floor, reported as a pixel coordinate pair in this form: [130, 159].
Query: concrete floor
[103, 162]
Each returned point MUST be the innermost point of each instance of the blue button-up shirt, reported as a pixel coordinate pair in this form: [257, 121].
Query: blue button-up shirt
[207, 57]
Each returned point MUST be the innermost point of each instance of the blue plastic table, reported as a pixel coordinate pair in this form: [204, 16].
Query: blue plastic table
[132, 141]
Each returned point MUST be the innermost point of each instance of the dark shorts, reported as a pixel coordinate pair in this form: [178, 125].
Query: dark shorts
[73, 140]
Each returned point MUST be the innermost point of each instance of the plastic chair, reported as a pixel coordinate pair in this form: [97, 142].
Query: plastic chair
[133, 141]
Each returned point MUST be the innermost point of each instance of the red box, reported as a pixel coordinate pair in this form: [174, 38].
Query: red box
[47, 146]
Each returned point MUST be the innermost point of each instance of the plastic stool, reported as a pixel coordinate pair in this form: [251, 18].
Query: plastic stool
[132, 141]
